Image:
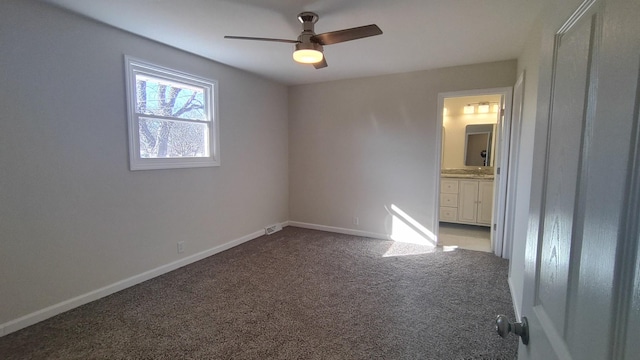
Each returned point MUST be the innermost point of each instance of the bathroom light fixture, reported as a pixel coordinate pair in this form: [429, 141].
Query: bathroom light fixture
[469, 109]
[496, 107]
[483, 108]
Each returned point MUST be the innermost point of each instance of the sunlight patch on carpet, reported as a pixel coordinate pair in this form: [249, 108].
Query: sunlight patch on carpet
[410, 236]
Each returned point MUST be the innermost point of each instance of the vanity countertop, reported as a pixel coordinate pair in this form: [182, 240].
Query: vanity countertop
[468, 176]
[485, 173]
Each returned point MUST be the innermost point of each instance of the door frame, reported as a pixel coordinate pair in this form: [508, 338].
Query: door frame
[514, 156]
[501, 193]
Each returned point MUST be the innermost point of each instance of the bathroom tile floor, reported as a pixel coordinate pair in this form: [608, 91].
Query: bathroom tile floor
[468, 237]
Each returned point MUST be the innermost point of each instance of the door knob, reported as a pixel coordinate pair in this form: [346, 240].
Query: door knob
[504, 327]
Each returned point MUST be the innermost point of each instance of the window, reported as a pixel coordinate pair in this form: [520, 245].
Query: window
[172, 118]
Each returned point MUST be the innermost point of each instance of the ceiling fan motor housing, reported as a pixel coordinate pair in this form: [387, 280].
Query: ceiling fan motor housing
[309, 46]
[308, 19]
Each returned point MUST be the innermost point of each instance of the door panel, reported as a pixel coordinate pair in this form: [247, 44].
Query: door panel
[566, 126]
[629, 308]
[580, 260]
[631, 344]
[468, 201]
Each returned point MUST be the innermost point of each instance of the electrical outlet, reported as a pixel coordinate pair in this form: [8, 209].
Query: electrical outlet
[356, 220]
[180, 247]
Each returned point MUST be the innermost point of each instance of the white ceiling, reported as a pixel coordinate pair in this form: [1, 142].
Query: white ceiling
[418, 34]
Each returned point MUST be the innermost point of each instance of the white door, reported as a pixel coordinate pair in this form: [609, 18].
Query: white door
[582, 283]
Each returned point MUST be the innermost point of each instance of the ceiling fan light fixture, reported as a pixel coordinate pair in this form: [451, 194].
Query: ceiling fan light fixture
[307, 56]
[308, 53]
[309, 45]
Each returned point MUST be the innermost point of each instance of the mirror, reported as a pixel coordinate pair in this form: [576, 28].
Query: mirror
[478, 145]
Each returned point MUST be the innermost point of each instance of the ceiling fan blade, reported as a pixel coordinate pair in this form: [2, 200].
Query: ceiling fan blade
[321, 64]
[334, 37]
[261, 39]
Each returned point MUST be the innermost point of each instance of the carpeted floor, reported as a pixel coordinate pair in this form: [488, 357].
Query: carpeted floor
[296, 294]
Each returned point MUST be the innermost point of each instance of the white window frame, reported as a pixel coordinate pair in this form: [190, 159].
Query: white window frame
[135, 66]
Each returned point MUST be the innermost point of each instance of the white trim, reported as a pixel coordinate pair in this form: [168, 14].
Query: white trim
[210, 87]
[514, 157]
[501, 189]
[339, 230]
[516, 305]
[506, 93]
[439, 157]
[53, 310]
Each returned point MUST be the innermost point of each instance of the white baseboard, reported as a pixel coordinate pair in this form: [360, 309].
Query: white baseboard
[53, 310]
[339, 230]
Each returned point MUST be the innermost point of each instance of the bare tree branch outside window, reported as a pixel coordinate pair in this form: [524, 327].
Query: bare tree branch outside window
[163, 138]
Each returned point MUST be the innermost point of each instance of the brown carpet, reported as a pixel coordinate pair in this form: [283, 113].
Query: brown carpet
[296, 294]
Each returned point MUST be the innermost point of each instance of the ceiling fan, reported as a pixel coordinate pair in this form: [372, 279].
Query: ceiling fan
[309, 46]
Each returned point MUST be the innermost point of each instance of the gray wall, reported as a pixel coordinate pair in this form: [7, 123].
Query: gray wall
[358, 146]
[73, 218]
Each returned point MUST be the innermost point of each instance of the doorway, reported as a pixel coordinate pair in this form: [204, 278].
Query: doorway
[474, 149]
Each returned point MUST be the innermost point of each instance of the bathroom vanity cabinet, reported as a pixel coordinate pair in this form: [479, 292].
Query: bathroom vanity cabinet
[466, 201]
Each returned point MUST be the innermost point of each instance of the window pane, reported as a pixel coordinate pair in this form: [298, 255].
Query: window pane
[172, 139]
[163, 97]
